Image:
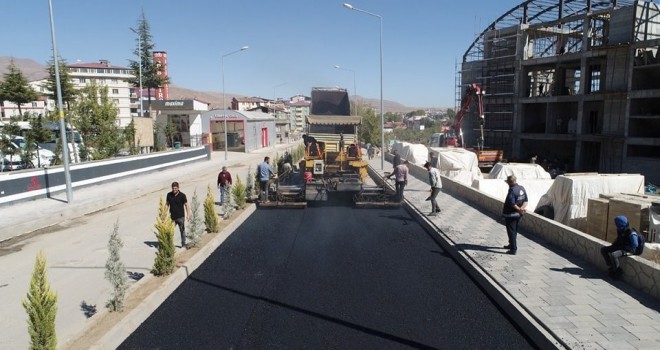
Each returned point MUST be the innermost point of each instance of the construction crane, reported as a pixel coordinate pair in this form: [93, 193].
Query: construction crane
[454, 136]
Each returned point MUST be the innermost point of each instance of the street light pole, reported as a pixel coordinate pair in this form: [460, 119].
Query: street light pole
[60, 107]
[382, 118]
[140, 68]
[354, 86]
[224, 108]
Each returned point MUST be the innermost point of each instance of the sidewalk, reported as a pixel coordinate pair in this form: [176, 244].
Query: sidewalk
[572, 299]
[74, 238]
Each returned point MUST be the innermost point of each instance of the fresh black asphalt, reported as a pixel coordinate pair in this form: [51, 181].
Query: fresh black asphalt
[328, 277]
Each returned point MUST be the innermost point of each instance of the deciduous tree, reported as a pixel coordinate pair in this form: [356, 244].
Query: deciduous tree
[370, 129]
[94, 114]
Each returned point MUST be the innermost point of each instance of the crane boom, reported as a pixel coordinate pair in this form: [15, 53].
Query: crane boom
[473, 90]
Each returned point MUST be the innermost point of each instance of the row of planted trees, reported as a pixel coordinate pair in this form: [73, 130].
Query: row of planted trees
[41, 301]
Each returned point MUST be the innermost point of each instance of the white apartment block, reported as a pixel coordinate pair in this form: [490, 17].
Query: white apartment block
[299, 112]
[116, 78]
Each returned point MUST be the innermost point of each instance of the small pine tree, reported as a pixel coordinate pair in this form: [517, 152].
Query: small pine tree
[210, 215]
[196, 229]
[164, 262]
[115, 271]
[249, 187]
[239, 192]
[41, 307]
[227, 210]
[276, 163]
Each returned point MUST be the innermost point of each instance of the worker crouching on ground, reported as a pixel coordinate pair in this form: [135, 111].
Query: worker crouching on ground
[627, 241]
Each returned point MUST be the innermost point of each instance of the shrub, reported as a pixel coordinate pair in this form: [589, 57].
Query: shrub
[238, 192]
[195, 232]
[115, 271]
[164, 262]
[249, 186]
[210, 215]
[41, 308]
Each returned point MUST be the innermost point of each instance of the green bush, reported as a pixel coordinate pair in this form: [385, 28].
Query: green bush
[210, 215]
[164, 262]
[41, 308]
[249, 187]
[239, 193]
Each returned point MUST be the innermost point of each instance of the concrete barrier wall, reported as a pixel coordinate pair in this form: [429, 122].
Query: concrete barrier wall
[639, 272]
[39, 183]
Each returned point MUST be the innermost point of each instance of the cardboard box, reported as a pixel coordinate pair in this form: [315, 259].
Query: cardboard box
[597, 217]
[636, 210]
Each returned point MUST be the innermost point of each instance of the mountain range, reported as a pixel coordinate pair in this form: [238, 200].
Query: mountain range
[34, 70]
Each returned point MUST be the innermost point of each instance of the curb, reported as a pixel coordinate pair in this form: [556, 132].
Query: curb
[532, 328]
[129, 323]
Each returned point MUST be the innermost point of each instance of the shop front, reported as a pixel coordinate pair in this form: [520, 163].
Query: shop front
[246, 131]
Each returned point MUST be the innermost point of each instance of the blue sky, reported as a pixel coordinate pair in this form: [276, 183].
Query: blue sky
[294, 44]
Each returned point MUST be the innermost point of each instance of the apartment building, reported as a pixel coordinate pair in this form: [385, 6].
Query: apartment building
[116, 78]
[299, 110]
[576, 82]
[248, 103]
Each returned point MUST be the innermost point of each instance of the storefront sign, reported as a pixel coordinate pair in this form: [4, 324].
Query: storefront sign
[179, 105]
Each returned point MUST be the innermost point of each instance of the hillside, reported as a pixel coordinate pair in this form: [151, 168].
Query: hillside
[34, 70]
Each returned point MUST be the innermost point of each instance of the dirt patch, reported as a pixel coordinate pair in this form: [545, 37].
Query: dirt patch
[104, 321]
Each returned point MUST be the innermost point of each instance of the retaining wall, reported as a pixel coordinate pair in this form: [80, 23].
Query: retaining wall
[639, 272]
[40, 183]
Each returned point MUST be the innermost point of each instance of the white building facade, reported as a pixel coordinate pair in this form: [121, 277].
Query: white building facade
[115, 78]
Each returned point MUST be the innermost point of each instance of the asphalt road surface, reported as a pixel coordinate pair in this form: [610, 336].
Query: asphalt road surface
[328, 277]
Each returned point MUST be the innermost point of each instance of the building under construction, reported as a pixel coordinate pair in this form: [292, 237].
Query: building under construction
[576, 82]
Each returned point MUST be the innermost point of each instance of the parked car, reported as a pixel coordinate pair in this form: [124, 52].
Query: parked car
[41, 157]
[11, 162]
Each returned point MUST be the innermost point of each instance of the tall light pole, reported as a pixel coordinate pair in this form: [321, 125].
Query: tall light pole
[140, 68]
[382, 118]
[354, 86]
[224, 109]
[60, 107]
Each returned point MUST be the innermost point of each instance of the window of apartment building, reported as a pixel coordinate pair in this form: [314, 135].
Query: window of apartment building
[115, 91]
[116, 101]
[83, 80]
[114, 81]
[594, 78]
[34, 104]
[102, 71]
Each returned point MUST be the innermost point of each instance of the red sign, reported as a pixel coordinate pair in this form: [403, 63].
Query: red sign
[160, 60]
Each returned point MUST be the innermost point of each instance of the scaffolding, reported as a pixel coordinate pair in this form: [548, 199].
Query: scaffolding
[579, 79]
